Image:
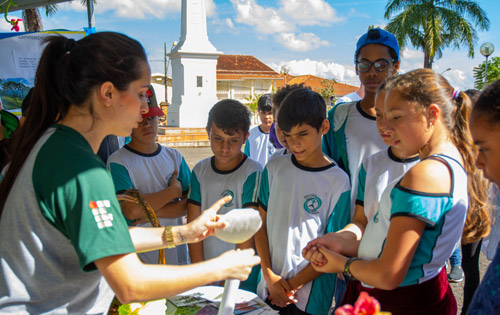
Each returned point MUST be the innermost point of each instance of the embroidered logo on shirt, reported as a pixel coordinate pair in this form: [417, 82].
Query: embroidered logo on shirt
[312, 203]
[228, 192]
[100, 212]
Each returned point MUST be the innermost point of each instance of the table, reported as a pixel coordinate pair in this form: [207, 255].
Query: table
[203, 300]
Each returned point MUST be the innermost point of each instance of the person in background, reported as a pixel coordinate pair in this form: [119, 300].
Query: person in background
[258, 145]
[485, 129]
[276, 99]
[159, 173]
[357, 95]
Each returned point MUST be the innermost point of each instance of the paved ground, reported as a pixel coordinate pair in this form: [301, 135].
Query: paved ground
[194, 155]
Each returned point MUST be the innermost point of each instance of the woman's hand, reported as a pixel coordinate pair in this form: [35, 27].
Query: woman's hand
[203, 226]
[237, 264]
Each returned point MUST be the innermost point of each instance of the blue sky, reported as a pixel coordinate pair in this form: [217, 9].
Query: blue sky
[310, 36]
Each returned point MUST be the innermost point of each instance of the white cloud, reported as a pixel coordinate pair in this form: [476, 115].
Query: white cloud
[412, 54]
[300, 42]
[225, 25]
[309, 12]
[265, 20]
[328, 70]
[285, 21]
[229, 23]
[137, 9]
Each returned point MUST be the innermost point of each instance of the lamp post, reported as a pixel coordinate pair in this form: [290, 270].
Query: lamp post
[446, 70]
[486, 50]
[285, 70]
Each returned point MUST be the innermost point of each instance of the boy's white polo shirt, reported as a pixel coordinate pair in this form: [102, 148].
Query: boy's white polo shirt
[302, 204]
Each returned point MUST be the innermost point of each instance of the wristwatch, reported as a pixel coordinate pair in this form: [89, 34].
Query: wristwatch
[347, 265]
[169, 237]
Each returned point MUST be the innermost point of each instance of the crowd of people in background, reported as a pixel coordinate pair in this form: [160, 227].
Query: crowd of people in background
[375, 195]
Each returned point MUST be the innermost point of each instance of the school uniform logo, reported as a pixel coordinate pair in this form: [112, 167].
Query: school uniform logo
[312, 203]
[228, 192]
[100, 212]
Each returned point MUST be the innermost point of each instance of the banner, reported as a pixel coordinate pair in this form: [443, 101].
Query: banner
[19, 57]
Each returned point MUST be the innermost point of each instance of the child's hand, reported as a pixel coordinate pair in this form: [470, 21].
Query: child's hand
[175, 183]
[334, 262]
[314, 256]
[280, 292]
[331, 241]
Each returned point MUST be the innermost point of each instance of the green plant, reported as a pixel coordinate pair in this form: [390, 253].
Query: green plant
[253, 104]
[492, 75]
[327, 90]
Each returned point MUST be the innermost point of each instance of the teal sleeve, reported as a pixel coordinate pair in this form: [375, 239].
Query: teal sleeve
[247, 148]
[251, 190]
[341, 214]
[423, 206]
[360, 196]
[121, 177]
[184, 177]
[264, 190]
[194, 190]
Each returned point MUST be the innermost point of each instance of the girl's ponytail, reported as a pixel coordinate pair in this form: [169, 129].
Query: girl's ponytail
[478, 221]
[67, 75]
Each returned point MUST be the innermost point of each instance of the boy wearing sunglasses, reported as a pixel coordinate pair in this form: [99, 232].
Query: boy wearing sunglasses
[353, 132]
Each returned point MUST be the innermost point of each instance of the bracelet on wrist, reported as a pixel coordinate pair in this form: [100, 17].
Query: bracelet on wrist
[169, 237]
[347, 271]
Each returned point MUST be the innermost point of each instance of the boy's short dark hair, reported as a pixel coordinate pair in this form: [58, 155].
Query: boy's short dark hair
[231, 116]
[264, 103]
[280, 95]
[302, 106]
[488, 103]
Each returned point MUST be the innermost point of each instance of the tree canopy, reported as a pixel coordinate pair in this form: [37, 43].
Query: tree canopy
[432, 25]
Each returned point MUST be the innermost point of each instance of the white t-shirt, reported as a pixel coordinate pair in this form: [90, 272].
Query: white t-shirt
[258, 146]
[302, 204]
[208, 184]
[150, 173]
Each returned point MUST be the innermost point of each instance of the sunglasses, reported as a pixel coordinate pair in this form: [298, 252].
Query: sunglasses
[380, 65]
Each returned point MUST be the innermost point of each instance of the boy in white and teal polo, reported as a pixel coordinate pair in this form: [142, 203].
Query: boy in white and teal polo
[148, 167]
[303, 196]
[228, 172]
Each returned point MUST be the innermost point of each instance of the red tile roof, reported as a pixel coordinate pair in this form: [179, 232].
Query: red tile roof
[314, 82]
[238, 67]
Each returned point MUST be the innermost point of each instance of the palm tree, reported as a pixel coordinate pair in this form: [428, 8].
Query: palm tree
[33, 21]
[432, 25]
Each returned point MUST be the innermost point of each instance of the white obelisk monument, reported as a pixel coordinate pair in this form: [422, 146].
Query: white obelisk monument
[194, 61]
